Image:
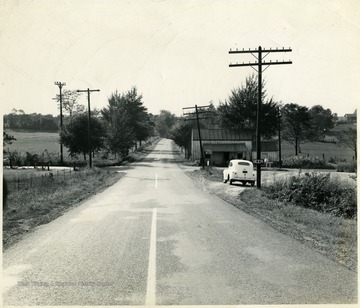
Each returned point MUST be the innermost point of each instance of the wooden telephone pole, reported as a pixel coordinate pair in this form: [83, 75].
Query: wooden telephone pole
[198, 110]
[88, 91]
[258, 66]
[60, 85]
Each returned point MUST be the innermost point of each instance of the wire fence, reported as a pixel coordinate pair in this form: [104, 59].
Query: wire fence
[44, 179]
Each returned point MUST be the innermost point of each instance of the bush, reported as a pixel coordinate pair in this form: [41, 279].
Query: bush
[306, 163]
[15, 159]
[76, 163]
[317, 192]
[31, 159]
[346, 167]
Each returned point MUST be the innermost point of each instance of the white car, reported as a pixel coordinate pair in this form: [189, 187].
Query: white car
[241, 171]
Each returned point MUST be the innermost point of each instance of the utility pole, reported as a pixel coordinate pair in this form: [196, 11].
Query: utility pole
[60, 85]
[198, 110]
[258, 54]
[89, 117]
[279, 137]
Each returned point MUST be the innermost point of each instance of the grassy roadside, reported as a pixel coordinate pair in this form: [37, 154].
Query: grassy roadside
[29, 207]
[332, 236]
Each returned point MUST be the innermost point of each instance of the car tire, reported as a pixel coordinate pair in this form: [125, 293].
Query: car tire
[230, 181]
[252, 183]
[225, 180]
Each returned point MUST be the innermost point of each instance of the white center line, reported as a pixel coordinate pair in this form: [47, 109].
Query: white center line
[151, 281]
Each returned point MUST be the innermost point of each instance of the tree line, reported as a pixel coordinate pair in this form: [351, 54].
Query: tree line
[124, 122]
[297, 124]
[19, 120]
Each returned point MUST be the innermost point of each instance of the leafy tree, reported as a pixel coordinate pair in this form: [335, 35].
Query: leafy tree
[240, 109]
[322, 121]
[164, 123]
[211, 117]
[120, 135]
[7, 139]
[70, 103]
[135, 118]
[76, 138]
[138, 116]
[348, 137]
[297, 125]
[181, 134]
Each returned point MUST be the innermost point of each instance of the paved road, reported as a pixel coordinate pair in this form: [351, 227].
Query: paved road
[154, 238]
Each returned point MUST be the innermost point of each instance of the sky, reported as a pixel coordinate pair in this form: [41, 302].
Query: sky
[176, 52]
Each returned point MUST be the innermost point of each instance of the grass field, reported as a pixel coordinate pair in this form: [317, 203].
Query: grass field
[38, 142]
[318, 149]
[35, 142]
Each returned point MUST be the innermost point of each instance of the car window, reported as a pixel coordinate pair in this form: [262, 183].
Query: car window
[243, 163]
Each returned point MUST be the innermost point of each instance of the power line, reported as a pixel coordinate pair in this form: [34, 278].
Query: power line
[258, 54]
[89, 128]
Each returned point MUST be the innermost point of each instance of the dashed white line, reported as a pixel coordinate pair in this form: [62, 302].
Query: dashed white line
[151, 281]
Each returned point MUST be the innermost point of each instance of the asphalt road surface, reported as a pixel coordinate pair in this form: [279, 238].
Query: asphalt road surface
[154, 238]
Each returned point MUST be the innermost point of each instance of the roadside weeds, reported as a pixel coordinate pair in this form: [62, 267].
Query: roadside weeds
[334, 237]
[29, 208]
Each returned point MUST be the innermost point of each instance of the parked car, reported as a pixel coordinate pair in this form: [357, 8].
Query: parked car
[241, 171]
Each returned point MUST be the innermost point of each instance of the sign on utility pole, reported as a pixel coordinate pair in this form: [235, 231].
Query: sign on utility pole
[258, 54]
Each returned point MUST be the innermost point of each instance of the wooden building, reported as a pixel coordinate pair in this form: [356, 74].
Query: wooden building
[221, 145]
[269, 150]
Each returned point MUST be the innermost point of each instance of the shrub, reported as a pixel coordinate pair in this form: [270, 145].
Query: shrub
[15, 159]
[306, 163]
[318, 192]
[31, 159]
[346, 167]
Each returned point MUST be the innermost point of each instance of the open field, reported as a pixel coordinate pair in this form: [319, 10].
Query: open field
[35, 142]
[318, 149]
[38, 142]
